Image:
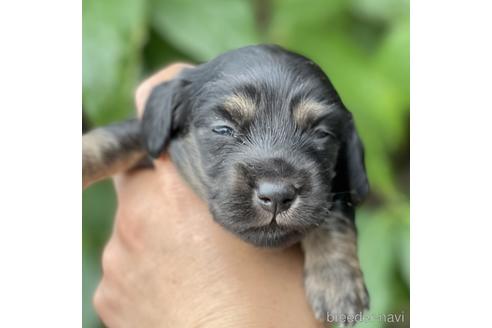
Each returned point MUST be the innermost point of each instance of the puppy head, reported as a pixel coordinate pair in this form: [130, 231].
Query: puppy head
[266, 138]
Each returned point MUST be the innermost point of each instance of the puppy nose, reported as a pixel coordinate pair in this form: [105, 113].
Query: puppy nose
[275, 196]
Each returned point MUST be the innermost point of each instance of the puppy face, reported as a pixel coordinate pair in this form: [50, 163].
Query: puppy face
[261, 134]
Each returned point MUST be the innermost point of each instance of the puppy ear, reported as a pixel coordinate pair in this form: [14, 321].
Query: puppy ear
[350, 185]
[160, 114]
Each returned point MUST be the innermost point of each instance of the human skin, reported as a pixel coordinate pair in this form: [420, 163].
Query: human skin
[168, 264]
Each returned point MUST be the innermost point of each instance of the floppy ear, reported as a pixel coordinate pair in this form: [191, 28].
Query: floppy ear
[350, 185]
[160, 116]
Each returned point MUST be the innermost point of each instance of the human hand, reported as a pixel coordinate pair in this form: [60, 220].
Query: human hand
[168, 264]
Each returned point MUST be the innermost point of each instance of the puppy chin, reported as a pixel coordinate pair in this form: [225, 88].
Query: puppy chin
[270, 236]
[258, 229]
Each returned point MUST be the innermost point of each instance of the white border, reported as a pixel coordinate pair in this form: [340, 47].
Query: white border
[451, 163]
[40, 183]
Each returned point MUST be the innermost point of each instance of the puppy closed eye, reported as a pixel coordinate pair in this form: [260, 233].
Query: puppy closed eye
[323, 134]
[224, 130]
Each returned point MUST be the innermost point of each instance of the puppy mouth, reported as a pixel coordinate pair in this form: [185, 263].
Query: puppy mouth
[271, 235]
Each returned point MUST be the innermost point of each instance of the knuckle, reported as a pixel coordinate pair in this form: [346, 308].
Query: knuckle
[109, 261]
[129, 229]
[102, 306]
[99, 301]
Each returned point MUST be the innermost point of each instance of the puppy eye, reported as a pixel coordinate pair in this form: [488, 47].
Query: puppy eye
[223, 130]
[322, 134]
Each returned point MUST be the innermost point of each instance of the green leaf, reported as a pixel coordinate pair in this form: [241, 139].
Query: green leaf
[393, 57]
[216, 26]
[159, 53]
[402, 246]
[377, 261]
[90, 279]
[288, 16]
[113, 33]
[382, 234]
[98, 208]
[381, 10]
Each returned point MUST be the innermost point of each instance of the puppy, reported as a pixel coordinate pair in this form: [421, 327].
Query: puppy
[260, 134]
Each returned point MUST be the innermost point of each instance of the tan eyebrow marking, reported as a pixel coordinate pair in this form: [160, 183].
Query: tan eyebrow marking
[240, 107]
[308, 110]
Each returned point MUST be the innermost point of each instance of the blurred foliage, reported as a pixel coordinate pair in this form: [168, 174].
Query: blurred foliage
[362, 45]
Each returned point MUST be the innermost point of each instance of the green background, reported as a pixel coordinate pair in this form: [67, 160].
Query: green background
[362, 45]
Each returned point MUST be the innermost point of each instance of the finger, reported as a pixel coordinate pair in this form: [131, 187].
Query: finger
[133, 181]
[106, 304]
